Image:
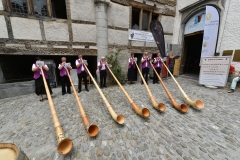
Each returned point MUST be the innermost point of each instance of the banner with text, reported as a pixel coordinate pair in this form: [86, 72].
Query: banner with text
[210, 31]
[137, 35]
[214, 71]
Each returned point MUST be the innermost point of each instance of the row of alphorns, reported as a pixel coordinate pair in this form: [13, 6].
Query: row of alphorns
[65, 144]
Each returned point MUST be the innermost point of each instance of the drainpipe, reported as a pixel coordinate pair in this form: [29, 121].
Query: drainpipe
[102, 27]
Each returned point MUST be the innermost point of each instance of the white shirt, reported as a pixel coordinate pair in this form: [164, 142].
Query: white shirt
[130, 60]
[34, 66]
[103, 66]
[78, 63]
[63, 66]
[146, 62]
[157, 62]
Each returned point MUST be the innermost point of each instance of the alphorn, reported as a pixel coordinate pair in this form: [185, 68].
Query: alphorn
[118, 118]
[64, 144]
[161, 107]
[197, 104]
[183, 108]
[144, 112]
[92, 129]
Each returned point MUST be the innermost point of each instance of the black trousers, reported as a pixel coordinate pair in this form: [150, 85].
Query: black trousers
[145, 72]
[82, 75]
[65, 82]
[103, 76]
[155, 78]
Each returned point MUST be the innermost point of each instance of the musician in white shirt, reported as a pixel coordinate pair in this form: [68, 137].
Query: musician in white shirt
[82, 73]
[103, 72]
[157, 63]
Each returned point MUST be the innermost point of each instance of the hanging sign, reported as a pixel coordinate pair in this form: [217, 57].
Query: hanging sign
[214, 71]
[137, 35]
[210, 32]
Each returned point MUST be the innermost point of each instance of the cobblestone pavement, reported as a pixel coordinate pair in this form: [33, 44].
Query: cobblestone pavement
[213, 133]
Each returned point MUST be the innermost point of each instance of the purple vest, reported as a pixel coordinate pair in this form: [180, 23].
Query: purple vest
[63, 71]
[100, 68]
[37, 73]
[131, 64]
[79, 69]
[156, 64]
[144, 63]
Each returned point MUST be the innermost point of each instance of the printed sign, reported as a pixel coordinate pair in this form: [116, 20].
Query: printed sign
[40, 63]
[214, 71]
[210, 31]
[67, 64]
[196, 23]
[137, 35]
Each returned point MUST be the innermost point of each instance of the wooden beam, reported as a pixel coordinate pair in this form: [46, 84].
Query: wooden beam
[49, 8]
[142, 6]
[140, 19]
[149, 20]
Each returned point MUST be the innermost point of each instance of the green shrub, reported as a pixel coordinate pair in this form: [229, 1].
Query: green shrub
[116, 69]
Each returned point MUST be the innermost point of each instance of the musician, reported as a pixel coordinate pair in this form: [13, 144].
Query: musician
[145, 66]
[64, 76]
[103, 72]
[131, 69]
[158, 66]
[82, 73]
[39, 84]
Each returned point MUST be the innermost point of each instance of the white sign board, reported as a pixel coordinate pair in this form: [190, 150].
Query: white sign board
[214, 71]
[143, 36]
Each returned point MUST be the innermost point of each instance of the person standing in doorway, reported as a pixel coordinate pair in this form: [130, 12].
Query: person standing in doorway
[158, 66]
[82, 73]
[103, 72]
[131, 69]
[39, 84]
[145, 66]
[64, 76]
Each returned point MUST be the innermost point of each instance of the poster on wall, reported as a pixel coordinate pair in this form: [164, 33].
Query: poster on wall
[210, 36]
[137, 35]
[196, 23]
[214, 71]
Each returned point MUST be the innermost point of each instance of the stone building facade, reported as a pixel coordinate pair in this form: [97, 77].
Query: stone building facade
[94, 28]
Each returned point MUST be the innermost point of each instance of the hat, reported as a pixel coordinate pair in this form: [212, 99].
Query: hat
[103, 58]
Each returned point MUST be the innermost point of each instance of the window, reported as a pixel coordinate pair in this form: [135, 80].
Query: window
[141, 19]
[59, 9]
[135, 18]
[39, 7]
[145, 21]
[19, 6]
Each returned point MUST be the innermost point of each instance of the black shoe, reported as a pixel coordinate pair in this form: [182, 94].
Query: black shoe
[105, 86]
[153, 82]
[41, 100]
[69, 92]
[141, 83]
[230, 91]
[63, 93]
[79, 91]
[87, 90]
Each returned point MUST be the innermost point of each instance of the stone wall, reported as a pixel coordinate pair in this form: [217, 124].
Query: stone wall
[56, 31]
[117, 37]
[3, 27]
[118, 15]
[229, 36]
[1, 5]
[83, 10]
[28, 29]
[84, 32]
[16, 89]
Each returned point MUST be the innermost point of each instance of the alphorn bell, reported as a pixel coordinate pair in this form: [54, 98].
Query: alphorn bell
[144, 112]
[198, 104]
[118, 118]
[64, 144]
[92, 129]
[183, 108]
[161, 107]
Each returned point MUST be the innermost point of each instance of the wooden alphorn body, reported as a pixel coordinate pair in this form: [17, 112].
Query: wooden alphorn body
[161, 107]
[64, 144]
[183, 108]
[144, 112]
[198, 104]
[118, 118]
[92, 129]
